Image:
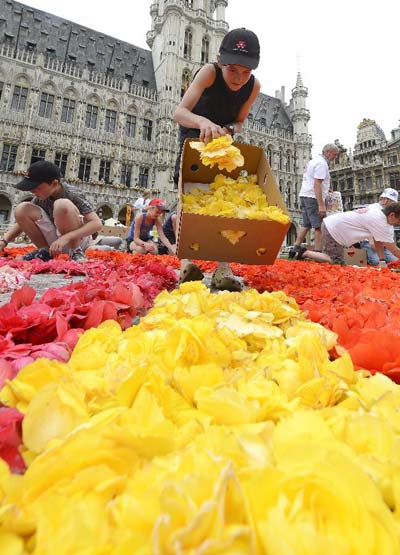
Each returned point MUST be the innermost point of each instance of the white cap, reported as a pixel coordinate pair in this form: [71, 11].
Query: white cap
[392, 194]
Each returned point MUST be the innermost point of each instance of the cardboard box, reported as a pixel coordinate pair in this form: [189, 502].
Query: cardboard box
[262, 239]
[114, 231]
[355, 257]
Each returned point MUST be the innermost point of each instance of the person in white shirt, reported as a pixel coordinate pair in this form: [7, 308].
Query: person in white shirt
[346, 228]
[142, 202]
[389, 196]
[313, 192]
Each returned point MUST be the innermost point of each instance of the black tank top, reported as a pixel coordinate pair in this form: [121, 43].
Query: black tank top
[218, 103]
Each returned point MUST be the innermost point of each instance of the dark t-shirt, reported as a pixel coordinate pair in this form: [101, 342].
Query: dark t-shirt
[78, 200]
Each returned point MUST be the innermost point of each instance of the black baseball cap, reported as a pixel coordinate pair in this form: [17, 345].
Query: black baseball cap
[37, 173]
[241, 47]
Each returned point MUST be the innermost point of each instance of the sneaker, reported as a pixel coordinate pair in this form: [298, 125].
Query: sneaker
[77, 255]
[41, 254]
[300, 252]
[293, 251]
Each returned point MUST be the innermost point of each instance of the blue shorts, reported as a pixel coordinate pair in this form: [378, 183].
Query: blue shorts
[310, 213]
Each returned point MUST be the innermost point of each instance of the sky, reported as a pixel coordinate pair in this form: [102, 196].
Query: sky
[347, 53]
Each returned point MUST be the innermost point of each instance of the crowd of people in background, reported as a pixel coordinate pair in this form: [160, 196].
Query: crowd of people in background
[369, 227]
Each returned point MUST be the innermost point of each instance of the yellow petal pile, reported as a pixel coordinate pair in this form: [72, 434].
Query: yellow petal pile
[230, 198]
[219, 152]
[218, 425]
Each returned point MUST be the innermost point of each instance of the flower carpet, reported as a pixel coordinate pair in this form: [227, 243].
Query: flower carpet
[261, 422]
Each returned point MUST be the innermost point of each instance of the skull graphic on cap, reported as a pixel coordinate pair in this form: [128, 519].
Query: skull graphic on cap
[241, 45]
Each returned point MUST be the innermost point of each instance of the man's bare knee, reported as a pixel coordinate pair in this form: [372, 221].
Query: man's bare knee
[27, 210]
[64, 206]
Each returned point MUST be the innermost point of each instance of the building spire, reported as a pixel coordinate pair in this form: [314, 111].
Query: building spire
[299, 113]
[299, 80]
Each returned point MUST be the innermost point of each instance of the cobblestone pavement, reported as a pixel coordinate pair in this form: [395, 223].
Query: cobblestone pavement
[42, 282]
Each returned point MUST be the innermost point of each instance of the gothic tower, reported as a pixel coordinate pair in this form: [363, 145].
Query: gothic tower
[300, 117]
[185, 34]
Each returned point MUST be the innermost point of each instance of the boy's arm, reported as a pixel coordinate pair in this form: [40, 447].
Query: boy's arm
[163, 238]
[10, 235]
[392, 247]
[136, 232]
[174, 218]
[245, 109]
[183, 113]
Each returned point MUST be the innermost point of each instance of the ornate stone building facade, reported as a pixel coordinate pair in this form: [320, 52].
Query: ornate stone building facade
[102, 109]
[374, 164]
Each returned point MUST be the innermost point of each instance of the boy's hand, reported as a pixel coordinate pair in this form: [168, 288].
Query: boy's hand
[210, 131]
[151, 249]
[57, 246]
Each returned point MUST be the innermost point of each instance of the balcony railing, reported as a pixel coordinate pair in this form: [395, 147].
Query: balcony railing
[54, 64]
[23, 55]
[73, 70]
[269, 131]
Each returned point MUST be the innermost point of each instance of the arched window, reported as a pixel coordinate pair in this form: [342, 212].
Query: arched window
[288, 161]
[20, 94]
[281, 159]
[147, 129]
[68, 105]
[186, 76]
[130, 122]
[187, 47]
[92, 111]
[289, 195]
[269, 155]
[263, 118]
[110, 122]
[205, 50]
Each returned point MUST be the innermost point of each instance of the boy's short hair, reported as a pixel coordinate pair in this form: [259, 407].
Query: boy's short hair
[240, 47]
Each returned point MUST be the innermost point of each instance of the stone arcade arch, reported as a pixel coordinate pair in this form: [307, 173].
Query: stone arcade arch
[5, 209]
[104, 211]
[122, 215]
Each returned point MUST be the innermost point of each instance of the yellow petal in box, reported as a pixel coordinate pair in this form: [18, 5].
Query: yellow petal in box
[219, 152]
[232, 216]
